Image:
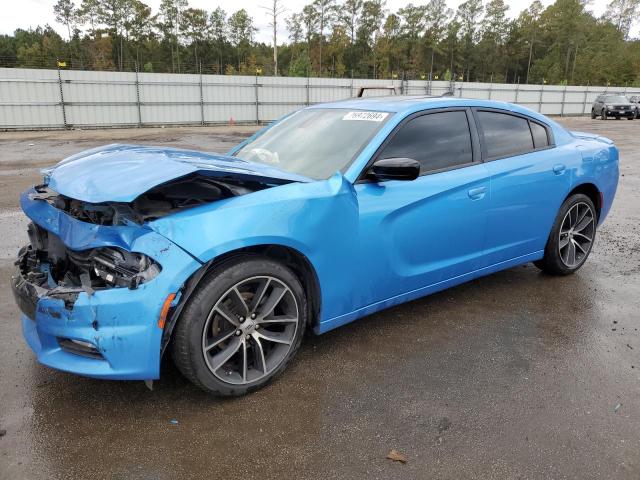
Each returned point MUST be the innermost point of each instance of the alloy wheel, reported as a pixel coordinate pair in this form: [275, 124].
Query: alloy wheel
[576, 234]
[250, 330]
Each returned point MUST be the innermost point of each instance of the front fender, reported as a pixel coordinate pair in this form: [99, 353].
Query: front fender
[318, 219]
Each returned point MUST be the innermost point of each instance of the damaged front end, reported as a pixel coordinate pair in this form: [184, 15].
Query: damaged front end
[98, 279]
[91, 295]
[171, 197]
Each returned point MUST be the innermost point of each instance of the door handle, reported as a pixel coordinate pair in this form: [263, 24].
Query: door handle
[559, 169]
[477, 193]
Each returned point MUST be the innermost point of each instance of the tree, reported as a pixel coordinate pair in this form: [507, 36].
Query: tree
[325, 11]
[89, 12]
[111, 13]
[241, 31]
[437, 14]
[468, 15]
[65, 12]
[194, 27]
[493, 35]
[219, 30]
[171, 17]
[275, 10]
[622, 13]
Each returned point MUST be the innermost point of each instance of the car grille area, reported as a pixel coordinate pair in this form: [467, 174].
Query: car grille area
[49, 264]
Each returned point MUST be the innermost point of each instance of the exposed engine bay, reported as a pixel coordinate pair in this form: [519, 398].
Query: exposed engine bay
[183, 193]
[47, 263]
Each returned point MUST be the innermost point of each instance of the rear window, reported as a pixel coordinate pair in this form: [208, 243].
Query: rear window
[540, 138]
[505, 135]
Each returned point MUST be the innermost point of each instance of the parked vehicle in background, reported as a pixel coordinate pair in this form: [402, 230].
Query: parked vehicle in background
[636, 102]
[613, 105]
[333, 213]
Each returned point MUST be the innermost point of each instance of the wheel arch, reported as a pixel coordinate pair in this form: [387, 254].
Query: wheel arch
[591, 191]
[289, 256]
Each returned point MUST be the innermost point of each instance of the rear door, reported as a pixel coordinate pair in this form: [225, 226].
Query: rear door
[529, 180]
[418, 233]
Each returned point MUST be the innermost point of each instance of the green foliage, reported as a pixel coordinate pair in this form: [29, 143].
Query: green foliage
[562, 43]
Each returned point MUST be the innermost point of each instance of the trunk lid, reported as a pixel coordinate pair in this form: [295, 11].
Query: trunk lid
[591, 136]
[121, 173]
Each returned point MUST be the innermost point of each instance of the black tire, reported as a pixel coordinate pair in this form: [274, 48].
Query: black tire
[593, 114]
[603, 115]
[552, 262]
[188, 349]
[630, 118]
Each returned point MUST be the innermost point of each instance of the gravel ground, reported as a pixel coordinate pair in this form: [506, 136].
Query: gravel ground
[516, 375]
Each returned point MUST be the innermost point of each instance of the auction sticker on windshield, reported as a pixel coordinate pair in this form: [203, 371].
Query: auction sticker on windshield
[366, 116]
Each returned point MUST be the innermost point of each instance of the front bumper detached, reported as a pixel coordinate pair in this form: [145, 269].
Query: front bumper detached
[110, 332]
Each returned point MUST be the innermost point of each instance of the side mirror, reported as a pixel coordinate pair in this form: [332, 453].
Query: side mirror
[394, 169]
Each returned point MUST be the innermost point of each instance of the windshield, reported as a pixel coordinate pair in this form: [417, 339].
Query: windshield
[616, 99]
[315, 143]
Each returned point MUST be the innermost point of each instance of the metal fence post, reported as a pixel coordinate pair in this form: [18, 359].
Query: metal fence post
[308, 88]
[257, 103]
[490, 87]
[64, 111]
[201, 98]
[564, 94]
[138, 97]
[584, 101]
[540, 98]
[517, 92]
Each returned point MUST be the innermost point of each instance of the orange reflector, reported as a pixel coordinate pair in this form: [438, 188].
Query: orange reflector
[165, 309]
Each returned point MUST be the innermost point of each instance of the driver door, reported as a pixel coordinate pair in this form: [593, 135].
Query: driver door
[419, 233]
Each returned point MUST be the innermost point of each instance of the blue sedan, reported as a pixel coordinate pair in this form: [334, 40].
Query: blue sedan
[332, 213]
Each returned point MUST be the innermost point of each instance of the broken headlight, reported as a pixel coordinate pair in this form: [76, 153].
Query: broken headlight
[114, 267]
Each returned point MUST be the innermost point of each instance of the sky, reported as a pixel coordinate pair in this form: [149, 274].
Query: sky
[31, 13]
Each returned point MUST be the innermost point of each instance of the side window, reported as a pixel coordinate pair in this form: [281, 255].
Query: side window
[540, 138]
[436, 140]
[505, 135]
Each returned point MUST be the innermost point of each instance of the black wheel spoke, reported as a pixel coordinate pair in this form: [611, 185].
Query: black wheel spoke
[218, 341]
[275, 337]
[227, 315]
[272, 301]
[225, 354]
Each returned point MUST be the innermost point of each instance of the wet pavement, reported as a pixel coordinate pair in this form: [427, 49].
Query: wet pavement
[515, 375]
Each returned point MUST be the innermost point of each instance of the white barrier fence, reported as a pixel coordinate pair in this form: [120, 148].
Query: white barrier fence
[39, 99]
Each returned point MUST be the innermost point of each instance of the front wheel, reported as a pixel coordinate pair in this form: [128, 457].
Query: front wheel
[241, 327]
[603, 115]
[571, 237]
[593, 114]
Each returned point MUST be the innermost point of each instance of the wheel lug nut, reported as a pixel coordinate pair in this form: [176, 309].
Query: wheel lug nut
[241, 319]
[248, 337]
[257, 327]
[238, 332]
[253, 315]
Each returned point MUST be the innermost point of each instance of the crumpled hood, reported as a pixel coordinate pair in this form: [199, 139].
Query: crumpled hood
[120, 173]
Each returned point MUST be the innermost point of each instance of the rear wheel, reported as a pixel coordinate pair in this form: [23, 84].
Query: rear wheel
[571, 237]
[241, 327]
[593, 114]
[603, 115]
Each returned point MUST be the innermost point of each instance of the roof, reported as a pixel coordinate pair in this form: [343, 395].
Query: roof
[408, 104]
